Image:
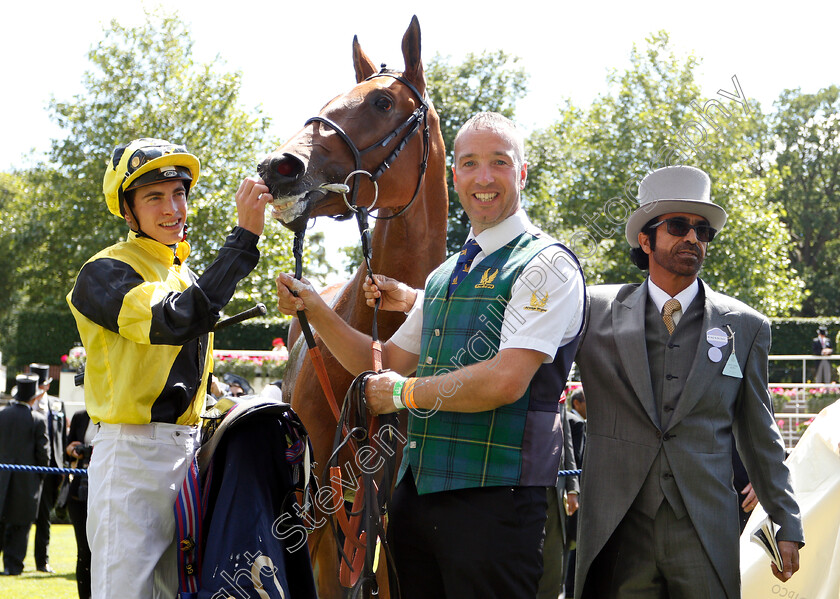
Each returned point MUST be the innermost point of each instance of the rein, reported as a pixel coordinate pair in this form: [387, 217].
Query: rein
[354, 429]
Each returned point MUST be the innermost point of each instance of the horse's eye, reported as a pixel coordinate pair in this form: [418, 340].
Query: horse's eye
[384, 104]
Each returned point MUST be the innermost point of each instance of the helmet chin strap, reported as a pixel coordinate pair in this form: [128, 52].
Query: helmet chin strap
[134, 221]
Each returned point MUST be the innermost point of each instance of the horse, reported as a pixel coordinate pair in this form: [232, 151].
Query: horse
[376, 114]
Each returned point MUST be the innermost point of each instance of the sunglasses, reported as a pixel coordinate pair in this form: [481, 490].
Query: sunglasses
[680, 228]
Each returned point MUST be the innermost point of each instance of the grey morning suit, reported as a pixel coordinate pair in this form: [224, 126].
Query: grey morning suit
[658, 448]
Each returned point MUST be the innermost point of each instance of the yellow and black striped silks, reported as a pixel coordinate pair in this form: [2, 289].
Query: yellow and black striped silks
[145, 320]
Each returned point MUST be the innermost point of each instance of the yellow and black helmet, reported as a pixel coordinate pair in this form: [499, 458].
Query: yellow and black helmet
[143, 162]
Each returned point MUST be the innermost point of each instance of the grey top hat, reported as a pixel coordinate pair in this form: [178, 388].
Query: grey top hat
[27, 387]
[43, 372]
[673, 189]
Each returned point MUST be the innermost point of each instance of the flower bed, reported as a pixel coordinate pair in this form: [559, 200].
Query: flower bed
[781, 396]
[249, 367]
[820, 397]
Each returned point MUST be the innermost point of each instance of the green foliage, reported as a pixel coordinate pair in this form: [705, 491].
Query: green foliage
[585, 170]
[40, 336]
[490, 81]
[792, 336]
[353, 257]
[143, 81]
[243, 366]
[822, 397]
[807, 130]
[257, 333]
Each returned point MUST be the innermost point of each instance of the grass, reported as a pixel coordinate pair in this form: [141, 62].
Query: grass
[39, 585]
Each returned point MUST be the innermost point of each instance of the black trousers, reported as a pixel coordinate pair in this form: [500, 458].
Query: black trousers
[77, 511]
[15, 538]
[469, 543]
[42, 523]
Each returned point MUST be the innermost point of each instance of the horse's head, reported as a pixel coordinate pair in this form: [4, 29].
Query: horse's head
[362, 129]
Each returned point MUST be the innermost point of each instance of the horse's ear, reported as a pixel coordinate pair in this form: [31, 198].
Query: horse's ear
[364, 66]
[411, 53]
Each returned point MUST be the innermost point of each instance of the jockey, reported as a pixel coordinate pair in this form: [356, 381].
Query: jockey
[146, 322]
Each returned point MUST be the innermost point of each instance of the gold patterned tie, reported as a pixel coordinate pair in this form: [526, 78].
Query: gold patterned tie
[668, 310]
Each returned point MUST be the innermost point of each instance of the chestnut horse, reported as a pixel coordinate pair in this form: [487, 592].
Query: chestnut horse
[373, 115]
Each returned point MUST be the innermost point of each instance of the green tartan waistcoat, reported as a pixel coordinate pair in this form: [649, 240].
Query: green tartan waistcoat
[453, 450]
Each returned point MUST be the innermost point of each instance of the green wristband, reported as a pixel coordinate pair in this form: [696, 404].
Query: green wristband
[397, 394]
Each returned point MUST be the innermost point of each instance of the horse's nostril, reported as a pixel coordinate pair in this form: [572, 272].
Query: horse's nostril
[285, 168]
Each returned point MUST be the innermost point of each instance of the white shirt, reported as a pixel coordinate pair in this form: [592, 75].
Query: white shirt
[552, 273]
[684, 297]
[43, 404]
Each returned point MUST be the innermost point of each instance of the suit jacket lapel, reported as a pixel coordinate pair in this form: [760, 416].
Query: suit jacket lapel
[629, 332]
[703, 370]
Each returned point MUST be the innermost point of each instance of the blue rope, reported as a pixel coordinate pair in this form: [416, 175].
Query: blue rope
[43, 469]
[83, 472]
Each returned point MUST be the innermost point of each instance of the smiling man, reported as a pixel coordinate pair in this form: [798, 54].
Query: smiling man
[480, 363]
[146, 322]
[671, 369]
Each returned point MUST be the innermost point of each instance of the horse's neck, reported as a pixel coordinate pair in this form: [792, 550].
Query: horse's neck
[406, 248]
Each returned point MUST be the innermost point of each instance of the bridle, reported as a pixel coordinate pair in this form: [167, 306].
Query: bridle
[410, 126]
[357, 554]
[408, 129]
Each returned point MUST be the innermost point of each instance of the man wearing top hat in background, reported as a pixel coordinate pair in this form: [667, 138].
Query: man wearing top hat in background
[23, 441]
[821, 346]
[53, 410]
[669, 383]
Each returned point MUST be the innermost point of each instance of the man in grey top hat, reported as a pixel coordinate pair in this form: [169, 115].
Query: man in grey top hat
[672, 369]
[23, 441]
[53, 410]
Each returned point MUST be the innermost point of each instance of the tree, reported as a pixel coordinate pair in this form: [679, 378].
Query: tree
[143, 82]
[490, 81]
[807, 130]
[585, 171]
